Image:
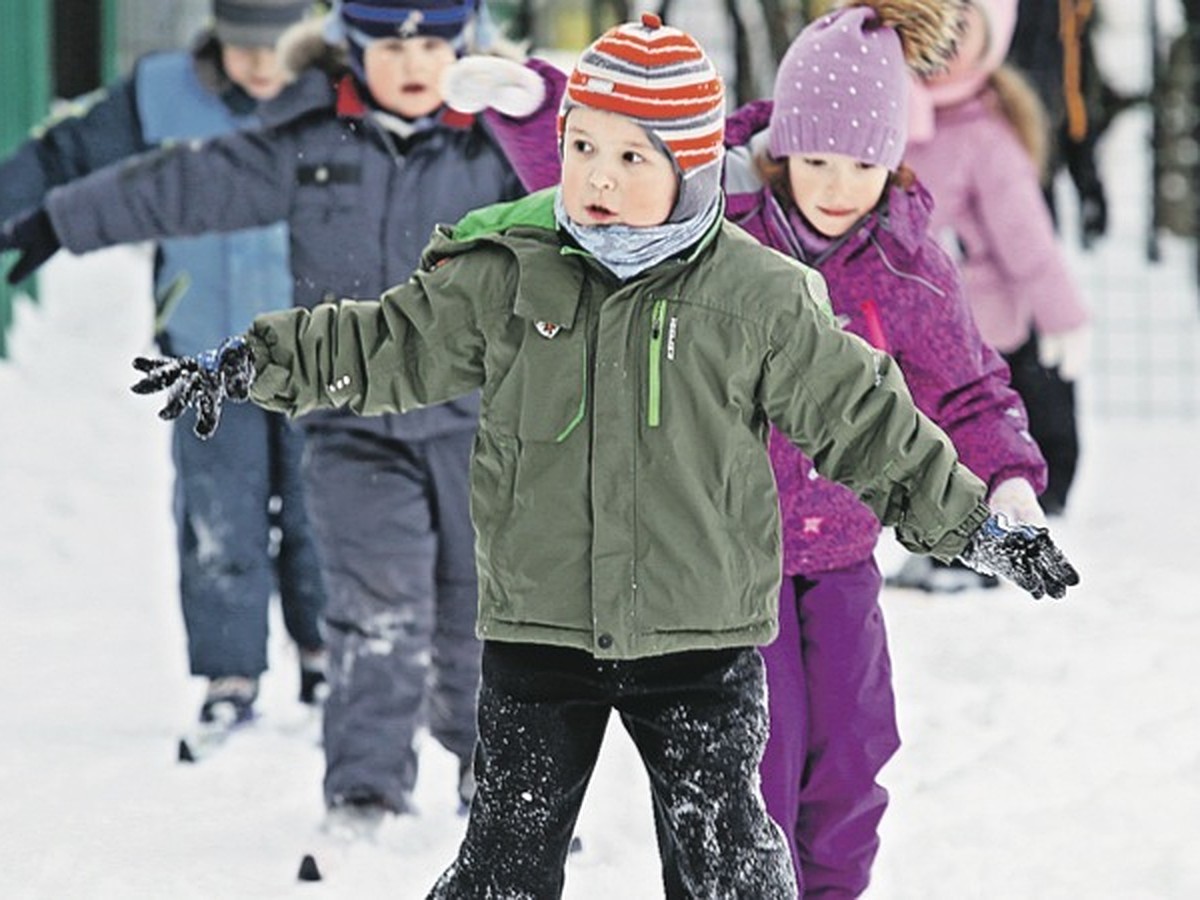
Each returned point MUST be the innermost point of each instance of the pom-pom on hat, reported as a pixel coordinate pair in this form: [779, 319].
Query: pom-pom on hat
[256, 23]
[661, 78]
[843, 84]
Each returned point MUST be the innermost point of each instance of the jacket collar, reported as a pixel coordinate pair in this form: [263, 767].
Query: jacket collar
[350, 104]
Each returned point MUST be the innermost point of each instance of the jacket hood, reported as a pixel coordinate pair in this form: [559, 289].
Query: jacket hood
[304, 46]
[747, 121]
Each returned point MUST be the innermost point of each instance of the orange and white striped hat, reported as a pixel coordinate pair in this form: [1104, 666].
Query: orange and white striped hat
[661, 78]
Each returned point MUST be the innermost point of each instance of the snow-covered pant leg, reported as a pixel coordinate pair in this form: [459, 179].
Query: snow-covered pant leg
[226, 574]
[700, 723]
[454, 685]
[542, 716]
[298, 571]
[371, 507]
[852, 730]
[1050, 405]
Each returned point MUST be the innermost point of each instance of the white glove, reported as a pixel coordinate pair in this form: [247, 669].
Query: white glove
[1014, 497]
[474, 83]
[1067, 351]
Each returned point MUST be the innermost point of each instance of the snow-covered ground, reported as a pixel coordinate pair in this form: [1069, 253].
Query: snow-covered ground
[1051, 750]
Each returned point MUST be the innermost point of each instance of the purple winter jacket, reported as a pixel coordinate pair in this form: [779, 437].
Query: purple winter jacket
[892, 285]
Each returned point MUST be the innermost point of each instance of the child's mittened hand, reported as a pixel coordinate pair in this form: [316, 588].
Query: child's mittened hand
[202, 382]
[1015, 499]
[33, 236]
[1021, 553]
[1067, 351]
[476, 82]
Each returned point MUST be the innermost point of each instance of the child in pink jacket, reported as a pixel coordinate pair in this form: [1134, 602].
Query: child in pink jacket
[973, 126]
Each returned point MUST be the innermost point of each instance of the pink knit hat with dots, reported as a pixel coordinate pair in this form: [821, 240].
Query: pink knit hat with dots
[842, 86]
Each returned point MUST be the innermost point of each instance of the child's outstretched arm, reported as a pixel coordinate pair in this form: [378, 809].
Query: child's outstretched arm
[848, 407]
[419, 344]
[519, 104]
[167, 193]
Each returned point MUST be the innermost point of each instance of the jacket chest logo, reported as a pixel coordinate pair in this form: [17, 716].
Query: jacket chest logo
[547, 329]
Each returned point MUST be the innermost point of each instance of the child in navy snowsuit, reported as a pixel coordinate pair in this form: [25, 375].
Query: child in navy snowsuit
[223, 494]
[362, 173]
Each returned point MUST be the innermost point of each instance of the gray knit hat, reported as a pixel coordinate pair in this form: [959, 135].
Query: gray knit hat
[256, 23]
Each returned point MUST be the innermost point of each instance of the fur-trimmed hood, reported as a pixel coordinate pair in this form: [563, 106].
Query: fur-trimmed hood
[304, 46]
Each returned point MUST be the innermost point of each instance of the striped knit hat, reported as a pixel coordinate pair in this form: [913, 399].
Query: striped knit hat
[661, 79]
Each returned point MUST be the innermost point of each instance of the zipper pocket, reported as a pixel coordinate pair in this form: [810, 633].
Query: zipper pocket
[658, 316]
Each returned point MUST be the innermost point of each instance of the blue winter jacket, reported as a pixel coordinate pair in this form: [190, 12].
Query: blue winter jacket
[360, 202]
[206, 287]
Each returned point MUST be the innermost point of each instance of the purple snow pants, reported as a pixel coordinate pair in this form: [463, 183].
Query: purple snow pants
[833, 726]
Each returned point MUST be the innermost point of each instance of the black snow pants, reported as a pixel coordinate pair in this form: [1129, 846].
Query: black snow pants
[1050, 403]
[699, 722]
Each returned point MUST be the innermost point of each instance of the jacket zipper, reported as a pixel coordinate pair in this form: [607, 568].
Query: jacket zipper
[658, 317]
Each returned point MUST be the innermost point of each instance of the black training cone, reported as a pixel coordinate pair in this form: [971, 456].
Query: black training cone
[308, 869]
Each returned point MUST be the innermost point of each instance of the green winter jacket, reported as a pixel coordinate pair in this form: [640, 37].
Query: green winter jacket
[622, 496]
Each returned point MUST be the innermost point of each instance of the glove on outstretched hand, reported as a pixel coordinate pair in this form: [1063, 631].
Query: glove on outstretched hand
[202, 382]
[34, 237]
[1067, 351]
[1021, 553]
[475, 83]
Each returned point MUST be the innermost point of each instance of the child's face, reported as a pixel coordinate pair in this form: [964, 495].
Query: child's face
[255, 70]
[404, 74]
[972, 45]
[833, 190]
[612, 174]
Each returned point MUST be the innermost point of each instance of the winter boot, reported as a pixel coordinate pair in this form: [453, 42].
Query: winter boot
[229, 700]
[358, 818]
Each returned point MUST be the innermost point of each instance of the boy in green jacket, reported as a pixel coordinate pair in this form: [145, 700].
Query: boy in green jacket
[631, 349]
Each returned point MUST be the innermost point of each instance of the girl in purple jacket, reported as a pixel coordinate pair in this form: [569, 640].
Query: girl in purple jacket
[816, 174]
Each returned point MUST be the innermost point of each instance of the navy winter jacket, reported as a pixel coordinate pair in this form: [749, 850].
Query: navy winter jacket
[360, 202]
[207, 286]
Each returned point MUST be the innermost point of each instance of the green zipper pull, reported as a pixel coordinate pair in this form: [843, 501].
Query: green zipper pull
[657, 318]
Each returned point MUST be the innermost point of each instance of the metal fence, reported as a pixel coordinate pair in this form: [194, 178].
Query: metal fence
[1144, 279]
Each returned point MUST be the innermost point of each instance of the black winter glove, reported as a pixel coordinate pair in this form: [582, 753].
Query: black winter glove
[1022, 554]
[202, 382]
[33, 236]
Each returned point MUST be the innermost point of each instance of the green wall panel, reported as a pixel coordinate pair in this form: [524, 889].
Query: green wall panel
[25, 74]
